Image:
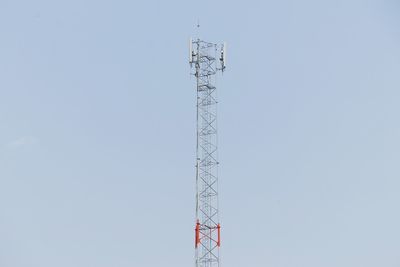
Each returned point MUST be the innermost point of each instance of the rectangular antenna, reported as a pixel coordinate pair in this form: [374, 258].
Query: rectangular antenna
[190, 51]
[224, 58]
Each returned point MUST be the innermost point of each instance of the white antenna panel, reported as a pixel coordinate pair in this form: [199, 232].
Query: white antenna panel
[190, 50]
[224, 50]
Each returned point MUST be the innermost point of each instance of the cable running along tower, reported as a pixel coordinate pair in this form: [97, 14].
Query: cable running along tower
[203, 59]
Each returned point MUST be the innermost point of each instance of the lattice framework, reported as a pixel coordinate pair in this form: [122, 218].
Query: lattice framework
[207, 231]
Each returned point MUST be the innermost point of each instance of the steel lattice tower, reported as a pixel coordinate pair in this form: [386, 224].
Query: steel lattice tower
[203, 55]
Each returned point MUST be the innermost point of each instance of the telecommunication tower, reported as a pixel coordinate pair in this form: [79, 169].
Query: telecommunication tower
[203, 59]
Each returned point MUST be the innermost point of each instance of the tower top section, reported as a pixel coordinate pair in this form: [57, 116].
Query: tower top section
[201, 51]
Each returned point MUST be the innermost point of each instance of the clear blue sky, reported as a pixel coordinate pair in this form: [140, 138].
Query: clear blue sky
[97, 132]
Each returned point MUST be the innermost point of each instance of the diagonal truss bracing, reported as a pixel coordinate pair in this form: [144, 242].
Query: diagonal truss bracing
[207, 241]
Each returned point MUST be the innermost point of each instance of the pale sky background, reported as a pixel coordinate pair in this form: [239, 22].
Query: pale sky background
[97, 132]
